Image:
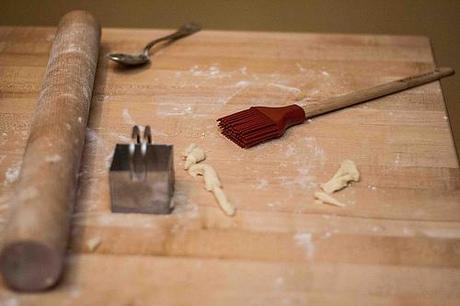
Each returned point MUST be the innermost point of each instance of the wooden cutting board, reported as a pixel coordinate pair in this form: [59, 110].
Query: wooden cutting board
[396, 242]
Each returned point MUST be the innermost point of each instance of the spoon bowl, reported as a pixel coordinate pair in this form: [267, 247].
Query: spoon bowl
[129, 59]
[133, 60]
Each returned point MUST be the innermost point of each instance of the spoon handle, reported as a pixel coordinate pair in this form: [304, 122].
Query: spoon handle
[185, 30]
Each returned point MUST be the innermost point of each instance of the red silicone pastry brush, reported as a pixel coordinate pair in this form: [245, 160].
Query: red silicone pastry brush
[258, 124]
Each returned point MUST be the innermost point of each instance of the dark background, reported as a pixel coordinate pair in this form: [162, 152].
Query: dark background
[439, 20]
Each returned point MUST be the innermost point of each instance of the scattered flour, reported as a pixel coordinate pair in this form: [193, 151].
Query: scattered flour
[95, 144]
[398, 158]
[227, 99]
[10, 301]
[74, 293]
[303, 179]
[180, 110]
[306, 155]
[279, 281]
[305, 241]
[210, 72]
[53, 158]
[300, 67]
[183, 207]
[290, 150]
[127, 117]
[378, 228]
[314, 149]
[109, 158]
[12, 173]
[443, 233]
[291, 89]
[261, 184]
[242, 83]
[274, 204]
[91, 137]
[373, 188]
[124, 139]
[408, 232]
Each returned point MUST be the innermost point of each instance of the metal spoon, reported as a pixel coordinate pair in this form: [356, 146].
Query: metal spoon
[143, 58]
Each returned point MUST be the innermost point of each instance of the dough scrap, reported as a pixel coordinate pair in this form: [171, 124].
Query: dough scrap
[348, 172]
[196, 156]
[93, 243]
[192, 155]
[328, 199]
[211, 180]
[221, 198]
[214, 185]
[188, 150]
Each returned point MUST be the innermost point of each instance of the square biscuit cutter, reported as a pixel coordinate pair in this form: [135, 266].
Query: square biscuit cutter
[142, 175]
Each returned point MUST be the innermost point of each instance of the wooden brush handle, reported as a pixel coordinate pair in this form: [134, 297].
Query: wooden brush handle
[37, 231]
[363, 95]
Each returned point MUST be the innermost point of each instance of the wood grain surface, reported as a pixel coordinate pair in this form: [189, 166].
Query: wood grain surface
[397, 242]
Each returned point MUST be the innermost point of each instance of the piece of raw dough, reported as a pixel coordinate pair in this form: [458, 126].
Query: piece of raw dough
[211, 179]
[93, 243]
[221, 198]
[188, 150]
[213, 184]
[193, 155]
[348, 172]
[328, 199]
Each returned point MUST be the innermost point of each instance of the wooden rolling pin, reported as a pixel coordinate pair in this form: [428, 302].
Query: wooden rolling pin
[36, 235]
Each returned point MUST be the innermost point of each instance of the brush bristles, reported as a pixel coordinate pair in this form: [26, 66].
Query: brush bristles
[248, 128]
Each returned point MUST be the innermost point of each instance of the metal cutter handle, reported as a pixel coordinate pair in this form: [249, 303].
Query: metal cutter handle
[138, 151]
